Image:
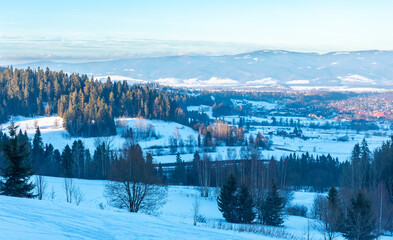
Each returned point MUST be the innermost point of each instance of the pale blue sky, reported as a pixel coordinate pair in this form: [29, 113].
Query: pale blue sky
[125, 28]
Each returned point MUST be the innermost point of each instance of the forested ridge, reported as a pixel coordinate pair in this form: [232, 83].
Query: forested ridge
[87, 106]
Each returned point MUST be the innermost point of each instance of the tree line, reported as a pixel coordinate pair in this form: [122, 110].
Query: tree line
[87, 106]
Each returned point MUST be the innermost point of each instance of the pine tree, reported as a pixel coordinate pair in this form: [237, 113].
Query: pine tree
[17, 173]
[180, 171]
[227, 200]
[195, 167]
[360, 224]
[333, 215]
[160, 174]
[37, 151]
[149, 167]
[67, 161]
[272, 207]
[356, 181]
[245, 211]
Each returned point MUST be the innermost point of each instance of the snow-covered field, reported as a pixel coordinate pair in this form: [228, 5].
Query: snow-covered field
[34, 219]
[320, 141]
[53, 132]
[94, 219]
[255, 104]
[54, 218]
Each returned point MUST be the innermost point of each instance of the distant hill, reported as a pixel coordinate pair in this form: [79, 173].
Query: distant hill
[266, 68]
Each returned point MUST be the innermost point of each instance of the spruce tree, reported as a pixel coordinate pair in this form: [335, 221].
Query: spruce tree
[245, 211]
[67, 161]
[37, 151]
[17, 173]
[195, 169]
[227, 201]
[160, 174]
[333, 216]
[272, 207]
[180, 171]
[360, 224]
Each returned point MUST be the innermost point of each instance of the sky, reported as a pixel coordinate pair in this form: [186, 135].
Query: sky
[78, 30]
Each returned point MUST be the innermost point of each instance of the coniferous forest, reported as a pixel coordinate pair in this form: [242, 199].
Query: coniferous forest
[87, 106]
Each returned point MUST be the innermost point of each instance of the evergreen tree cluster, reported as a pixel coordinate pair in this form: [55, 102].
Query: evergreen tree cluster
[88, 107]
[307, 170]
[354, 221]
[236, 204]
[270, 207]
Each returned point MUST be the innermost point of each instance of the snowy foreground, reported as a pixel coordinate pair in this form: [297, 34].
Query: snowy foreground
[34, 219]
[54, 218]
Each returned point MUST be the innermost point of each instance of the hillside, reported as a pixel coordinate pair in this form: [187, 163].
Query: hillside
[54, 218]
[265, 68]
[34, 219]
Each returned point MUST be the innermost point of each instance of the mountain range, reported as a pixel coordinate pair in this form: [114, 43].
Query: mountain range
[259, 69]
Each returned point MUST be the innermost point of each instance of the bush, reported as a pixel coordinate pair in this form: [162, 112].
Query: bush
[297, 210]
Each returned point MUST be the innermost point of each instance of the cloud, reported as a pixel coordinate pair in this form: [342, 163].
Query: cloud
[356, 79]
[23, 49]
[298, 82]
[263, 81]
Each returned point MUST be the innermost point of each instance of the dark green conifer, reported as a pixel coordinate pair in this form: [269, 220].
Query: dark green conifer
[360, 223]
[272, 207]
[16, 175]
[245, 209]
[227, 201]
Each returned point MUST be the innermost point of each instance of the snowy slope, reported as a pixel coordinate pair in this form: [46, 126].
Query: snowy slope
[34, 219]
[321, 141]
[53, 132]
[266, 68]
[54, 218]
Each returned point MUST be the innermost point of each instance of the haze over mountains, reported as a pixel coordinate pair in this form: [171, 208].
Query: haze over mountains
[260, 69]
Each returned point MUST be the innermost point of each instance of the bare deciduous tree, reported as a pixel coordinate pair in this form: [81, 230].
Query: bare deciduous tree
[204, 175]
[40, 186]
[52, 193]
[78, 195]
[196, 207]
[132, 183]
[190, 144]
[69, 189]
[72, 191]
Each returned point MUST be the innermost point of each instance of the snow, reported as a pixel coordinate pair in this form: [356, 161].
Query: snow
[95, 219]
[320, 142]
[34, 219]
[57, 219]
[202, 109]
[121, 78]
[255, 104]
[53, 132]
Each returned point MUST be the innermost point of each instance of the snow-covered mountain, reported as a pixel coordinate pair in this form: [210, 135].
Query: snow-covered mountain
[266, 68]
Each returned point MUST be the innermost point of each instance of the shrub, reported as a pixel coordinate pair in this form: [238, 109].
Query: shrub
[297, 210]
